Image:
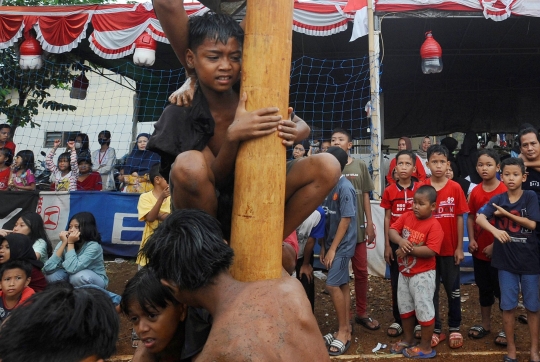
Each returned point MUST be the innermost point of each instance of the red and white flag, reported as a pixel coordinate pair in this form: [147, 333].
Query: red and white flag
[359, 7]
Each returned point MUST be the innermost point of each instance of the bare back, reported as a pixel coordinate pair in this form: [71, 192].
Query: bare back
[267, 321]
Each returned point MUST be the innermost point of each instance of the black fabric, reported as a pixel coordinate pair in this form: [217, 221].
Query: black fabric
[198, 324]
[467, 158]
[181, 129]
[18, 202]
[20, 247]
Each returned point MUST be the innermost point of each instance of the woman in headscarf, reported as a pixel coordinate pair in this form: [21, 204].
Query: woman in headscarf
[422, 153]
[404, 143]
[138, 165]
[467, 157]
[19, 247]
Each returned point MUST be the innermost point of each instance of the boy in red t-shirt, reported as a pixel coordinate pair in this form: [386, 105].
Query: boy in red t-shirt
[396, 200]
[15, 277]
[481, 242]
[451, 205]
[419, 237]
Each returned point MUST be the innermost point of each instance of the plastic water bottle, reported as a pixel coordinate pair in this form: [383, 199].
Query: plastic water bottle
[432, 65]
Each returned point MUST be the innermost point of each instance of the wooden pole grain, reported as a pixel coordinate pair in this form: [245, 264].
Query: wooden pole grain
[259, 196]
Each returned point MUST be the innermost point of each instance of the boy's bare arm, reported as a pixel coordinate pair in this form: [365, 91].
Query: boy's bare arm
[473, 245]
[458, 254]
[153, 214]
[388, 255]
[174, 20]
[340, 233]
[370, 230]
[500, 235]
[422, 252]
[520, 220]
[404, 244]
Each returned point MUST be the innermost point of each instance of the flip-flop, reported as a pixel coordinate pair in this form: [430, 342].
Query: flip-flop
[342, 348]
[522, 318]
[397, 328]
[501, 335]
[416, 353]
[328, 339]
[399, 347]
[364, 323]
[436, 339]
[418, 331]
[455, 336]
[481, 332]
[508, 359]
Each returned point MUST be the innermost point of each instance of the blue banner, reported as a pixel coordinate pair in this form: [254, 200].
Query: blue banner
[116, 217]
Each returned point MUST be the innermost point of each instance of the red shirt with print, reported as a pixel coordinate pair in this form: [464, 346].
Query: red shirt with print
[451, 202]
[398, 199]
[427, 232]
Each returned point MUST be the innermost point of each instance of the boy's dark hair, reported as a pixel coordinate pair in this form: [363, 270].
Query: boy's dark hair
[408, 153]
[527, 131]
[87, 227]
[37, 229]
[218, 27]
[8, 155]
[513, 161]
[146, 290]
[16, 264]
[437, 149]
[154, 172]
[490, 152]
[5, 125]
[27, 159]
[429, 191]
[341, 155]
[343, 131]
[188, 249]
[61, 324]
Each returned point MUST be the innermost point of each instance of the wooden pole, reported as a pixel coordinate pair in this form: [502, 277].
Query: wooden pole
[259, 189]
[376, 131]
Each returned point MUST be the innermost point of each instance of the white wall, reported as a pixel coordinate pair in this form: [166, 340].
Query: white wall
[108, 105]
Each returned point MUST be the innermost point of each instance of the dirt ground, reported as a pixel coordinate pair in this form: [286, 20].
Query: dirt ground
[379, 297]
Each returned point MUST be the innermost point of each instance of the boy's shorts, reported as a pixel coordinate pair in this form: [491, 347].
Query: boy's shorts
[510, 283]
[415, 297]
[338, 274]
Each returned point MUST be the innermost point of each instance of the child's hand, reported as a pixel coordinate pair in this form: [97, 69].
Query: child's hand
[458, 256]
[166, 193]
[322, 253]
[400, 253]
[71, 145]
[287, 130]
[4, 232]
[307, 270]
[56, 144]
[73, 237]
[501, 235]
[473, 246]
[370, 233]
[388, 254]
[184, 95]
[406, 246]
[488, 251]
[64, 236]
[329, 258]
[250, 125]
[500, 211]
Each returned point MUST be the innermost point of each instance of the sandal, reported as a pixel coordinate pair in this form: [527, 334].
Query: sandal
[341, 348]
[364, 323]
[498, 342]
[397, 328]
[399, 347]
[328, 339]
[508, 359]
[522, 318]
[418, 331]
[436, 339]
[455, 340]
[481, 332]
[416, 353]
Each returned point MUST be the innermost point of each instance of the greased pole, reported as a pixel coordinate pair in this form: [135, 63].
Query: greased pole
[259, 189]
